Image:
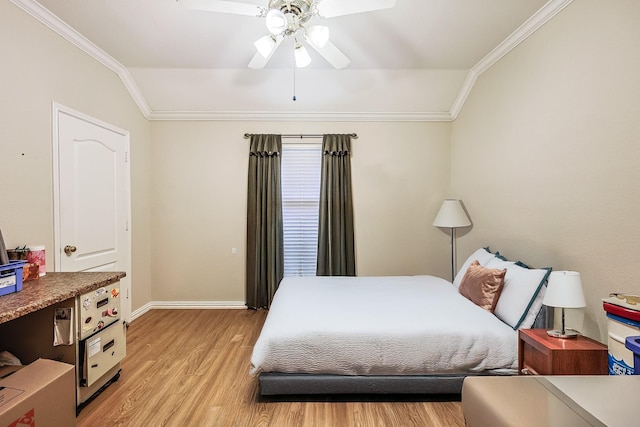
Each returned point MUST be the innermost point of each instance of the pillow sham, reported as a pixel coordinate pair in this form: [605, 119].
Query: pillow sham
[482, 285]
[520, 291]
[482, 255]
[532, 313]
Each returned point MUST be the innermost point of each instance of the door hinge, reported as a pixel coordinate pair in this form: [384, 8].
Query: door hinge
[126, 157]
[126, 226]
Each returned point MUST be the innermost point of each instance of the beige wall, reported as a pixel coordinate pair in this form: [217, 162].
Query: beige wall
[199, 175]
[38, 68]
[545, 153]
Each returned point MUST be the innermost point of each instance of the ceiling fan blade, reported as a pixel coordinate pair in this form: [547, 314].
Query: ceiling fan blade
[331, 53]
[259, 61]
[224, 6]
[331, 8]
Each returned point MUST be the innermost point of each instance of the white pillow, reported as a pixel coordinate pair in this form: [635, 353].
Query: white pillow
[498, 262]
[532, 314]
[482, 255]
[521, 288]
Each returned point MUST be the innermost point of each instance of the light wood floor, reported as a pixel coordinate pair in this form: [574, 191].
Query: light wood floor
[190, 368]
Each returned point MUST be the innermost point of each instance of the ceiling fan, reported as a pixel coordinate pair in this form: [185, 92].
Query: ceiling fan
[289, 18]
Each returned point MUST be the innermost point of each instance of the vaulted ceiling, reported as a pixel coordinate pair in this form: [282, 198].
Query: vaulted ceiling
[416, 61]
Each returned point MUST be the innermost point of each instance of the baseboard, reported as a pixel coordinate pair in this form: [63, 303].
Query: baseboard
[139, 312]
[183, 305]
[188, 305]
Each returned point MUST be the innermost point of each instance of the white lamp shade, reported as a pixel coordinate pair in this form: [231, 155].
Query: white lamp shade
[276, 21]
[452, 215]
[265, 45]
[302, 56]
[564, 290]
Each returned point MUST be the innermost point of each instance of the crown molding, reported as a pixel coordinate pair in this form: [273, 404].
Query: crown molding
[289, 116]
[546, 13]
[541, 17]
[43, 15]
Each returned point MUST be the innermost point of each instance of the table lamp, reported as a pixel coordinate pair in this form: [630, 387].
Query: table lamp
[452, 215]
[564, 290]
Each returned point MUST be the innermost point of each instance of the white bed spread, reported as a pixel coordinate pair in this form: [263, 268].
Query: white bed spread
[406, 325]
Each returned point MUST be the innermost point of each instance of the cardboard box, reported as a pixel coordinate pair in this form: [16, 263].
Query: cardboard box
[7, 370]
[40, 394]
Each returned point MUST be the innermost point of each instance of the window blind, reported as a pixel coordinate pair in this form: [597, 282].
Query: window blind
[300, 180]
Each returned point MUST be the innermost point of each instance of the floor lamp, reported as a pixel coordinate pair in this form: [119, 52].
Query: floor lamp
[452, 215]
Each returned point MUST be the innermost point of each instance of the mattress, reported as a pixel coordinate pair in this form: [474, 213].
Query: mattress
[402, 325]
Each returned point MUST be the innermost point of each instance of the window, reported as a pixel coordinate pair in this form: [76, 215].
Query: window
[301, 163]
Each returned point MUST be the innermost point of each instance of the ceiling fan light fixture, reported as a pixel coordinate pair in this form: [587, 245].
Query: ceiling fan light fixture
[318, 34]
[265, 45]
[276, 21]
[289, 18]
[302, 56]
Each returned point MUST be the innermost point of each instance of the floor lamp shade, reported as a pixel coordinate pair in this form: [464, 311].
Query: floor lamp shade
[452, 215]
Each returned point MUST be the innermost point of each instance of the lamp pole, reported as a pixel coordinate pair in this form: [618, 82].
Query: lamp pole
[453, 253]
[452, 215]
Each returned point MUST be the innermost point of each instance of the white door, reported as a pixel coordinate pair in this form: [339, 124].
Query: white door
[92, 197]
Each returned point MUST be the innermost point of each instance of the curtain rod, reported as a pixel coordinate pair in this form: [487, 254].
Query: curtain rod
[302, 135]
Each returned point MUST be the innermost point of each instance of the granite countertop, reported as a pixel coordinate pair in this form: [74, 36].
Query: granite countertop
[52, 288]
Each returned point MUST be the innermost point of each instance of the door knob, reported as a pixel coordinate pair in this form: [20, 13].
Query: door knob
[69, 249]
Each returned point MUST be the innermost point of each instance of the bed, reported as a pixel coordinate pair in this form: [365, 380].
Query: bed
[393, 335]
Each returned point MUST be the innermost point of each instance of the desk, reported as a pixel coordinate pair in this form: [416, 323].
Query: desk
[26, 321]
[537, 401]
[51, 289]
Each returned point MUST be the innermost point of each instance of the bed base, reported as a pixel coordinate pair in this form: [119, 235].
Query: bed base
[275, 383]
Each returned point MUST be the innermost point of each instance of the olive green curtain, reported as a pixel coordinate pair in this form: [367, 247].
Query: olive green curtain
[265, 253]
[336, 255]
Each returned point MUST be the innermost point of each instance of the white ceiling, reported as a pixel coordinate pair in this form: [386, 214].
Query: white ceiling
[413, 59]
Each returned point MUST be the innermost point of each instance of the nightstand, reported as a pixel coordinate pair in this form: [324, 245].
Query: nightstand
[540, 354]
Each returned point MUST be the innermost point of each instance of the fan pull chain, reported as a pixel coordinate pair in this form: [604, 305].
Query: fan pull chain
[294, 82]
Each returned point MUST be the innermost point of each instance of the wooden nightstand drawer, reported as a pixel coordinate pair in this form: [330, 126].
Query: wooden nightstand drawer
[539, 354]
[534, 361]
